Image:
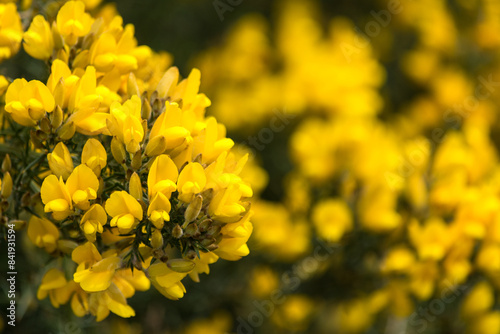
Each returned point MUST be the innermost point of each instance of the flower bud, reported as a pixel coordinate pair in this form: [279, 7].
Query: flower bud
[45, 125]
[136, 162]
[205, 225]
[60, 161]
[157, 240]
[56, 118]
[181, 265]
[118, 151]
[156, 146]
[6, 164]
[132, 87]
[192, 230]
[146, 109]
[135, 187]
[6, 185]
[177, 231]
[67, 131]
[193, 209]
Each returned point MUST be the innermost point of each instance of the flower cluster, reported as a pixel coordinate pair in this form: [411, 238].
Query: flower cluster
[114, 165]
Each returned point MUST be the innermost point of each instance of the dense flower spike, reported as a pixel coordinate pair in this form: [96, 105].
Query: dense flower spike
[120, 148]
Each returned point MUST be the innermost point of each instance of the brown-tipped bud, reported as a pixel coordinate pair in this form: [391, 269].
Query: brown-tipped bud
[132, 87]
[158, 254]
[6, 164]
[213, 231]
[45, 125]
[193, 209]
[136, 263]
[157, 240]
[146, 109]
[158, 106]
[177, 231]
[118, 151]
[42, 136]
[66, 246]
[4, 205]
[6, 185]
[205, 225]
[156, 146]
[135, 187]
[207, 242]
[191, 255]
[136, 162]
[26, 199]
[181, 265]
[56, 117]
[67, 131]
[191, 230]
[212, 247]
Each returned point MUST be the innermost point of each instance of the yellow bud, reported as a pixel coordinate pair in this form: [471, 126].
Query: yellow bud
[156, 146]
[146, 109]
[118, 151]
[137, 160]
[168, 82]
[133, 146]
[132, 87]
[6, 185]
[135, 187]
[181, 265]
[157, 240]
[56, 118]
[45, 125]
[6, 164]
[193, 210]
[67, 131]
[59, 92]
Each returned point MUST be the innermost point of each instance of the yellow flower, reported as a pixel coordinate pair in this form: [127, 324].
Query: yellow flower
[11, 31]
[235, 236]
[61, 82]
[225, 205]
[59, 197]
[192, 181]
[125, 123]
[38, 40]
[431, 240]
[107, 53]
[94, 155]
[167, 281]
[112, 299]
[169, 130]
[43, 233]
[332, 218]
[93, 221]
[94, 273]
[478, 301]
[201, 265]
[60, 161]
[55, 285]
[27, 102]
[162, 176]
[125, 210]
[73, 22]
[158, 210]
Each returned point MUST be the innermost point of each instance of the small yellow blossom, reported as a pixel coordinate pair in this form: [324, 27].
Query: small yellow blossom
[38, 40]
